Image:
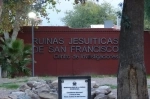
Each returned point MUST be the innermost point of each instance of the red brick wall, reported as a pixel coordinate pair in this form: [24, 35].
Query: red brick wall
[147, 50]
[52, 42]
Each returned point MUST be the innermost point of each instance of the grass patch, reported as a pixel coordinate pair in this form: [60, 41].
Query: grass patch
[111, 86]
[148, 76]
[48, 77]
[102, 76]
[9, 85]
[26, 80]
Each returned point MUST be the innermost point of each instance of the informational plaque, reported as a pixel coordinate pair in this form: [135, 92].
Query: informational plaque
[74, 87]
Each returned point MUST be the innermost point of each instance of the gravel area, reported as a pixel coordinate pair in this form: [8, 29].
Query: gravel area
[100, 80]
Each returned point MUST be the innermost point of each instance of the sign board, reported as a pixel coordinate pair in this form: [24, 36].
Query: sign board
[74, 87]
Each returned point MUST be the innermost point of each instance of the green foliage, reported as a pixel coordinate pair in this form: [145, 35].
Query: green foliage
[81, 1]
[146, 24]
[147, 9]
[90, 13]
[15, 56]
[15, 12]
[147, 15]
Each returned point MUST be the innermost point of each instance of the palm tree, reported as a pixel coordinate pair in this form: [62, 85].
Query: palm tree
[15, 56]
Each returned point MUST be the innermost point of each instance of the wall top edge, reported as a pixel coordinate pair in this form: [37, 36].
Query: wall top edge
[65, 28]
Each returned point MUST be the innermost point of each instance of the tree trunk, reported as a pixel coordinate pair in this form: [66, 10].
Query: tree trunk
[4, 74]
[131, 80]
[15, 33]
[16, 26]
[6, 35]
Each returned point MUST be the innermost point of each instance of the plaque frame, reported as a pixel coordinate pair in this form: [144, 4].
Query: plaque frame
[60, 78]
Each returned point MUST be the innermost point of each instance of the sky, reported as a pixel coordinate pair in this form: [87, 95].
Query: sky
[55, 18]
